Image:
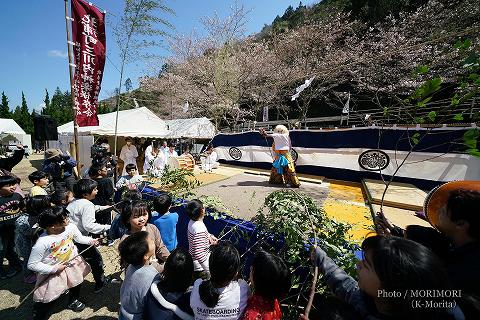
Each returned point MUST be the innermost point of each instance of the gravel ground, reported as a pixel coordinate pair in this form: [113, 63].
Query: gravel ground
[245, 193]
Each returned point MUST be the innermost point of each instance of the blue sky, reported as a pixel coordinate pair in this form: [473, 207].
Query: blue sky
[33, 51]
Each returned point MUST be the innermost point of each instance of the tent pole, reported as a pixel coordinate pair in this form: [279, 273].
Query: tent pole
[70, 66]
[116, 137]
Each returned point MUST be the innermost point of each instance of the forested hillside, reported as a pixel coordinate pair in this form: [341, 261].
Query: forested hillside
[373, 54]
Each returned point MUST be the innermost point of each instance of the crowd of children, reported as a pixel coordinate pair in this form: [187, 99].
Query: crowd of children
[56, 237]
[53, 239]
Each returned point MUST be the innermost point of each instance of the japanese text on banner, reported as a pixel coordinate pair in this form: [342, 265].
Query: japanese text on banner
[88, 34]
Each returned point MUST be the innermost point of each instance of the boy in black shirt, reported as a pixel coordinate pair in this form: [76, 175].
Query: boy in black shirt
[105, 194]
[10, 209]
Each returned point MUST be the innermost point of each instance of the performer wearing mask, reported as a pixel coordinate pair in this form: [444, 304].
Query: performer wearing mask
[283, 167]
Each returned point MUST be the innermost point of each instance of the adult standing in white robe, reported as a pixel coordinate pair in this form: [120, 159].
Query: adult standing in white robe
[128, 154]
[150, 154]
[171, 151]
[164, 148]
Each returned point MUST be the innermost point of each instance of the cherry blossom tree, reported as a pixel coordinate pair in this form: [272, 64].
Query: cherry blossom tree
[229, 77]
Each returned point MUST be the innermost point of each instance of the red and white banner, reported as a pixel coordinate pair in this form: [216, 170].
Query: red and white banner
[88, 35]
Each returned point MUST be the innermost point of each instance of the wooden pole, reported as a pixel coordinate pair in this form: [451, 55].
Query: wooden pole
[70, 67]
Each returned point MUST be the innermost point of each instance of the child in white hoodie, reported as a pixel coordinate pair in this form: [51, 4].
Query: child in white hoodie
[82, 214]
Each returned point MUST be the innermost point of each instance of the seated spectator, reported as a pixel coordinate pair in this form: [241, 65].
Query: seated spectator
[186, 152]
[165, 221]
[209, 159]
[390, 265]
[131, 179]
[168, 298]
[223, 296]
[136, 251]
[40, 181]
[271, 281]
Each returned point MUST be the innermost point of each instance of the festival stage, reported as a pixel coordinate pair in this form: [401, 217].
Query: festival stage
[354, 154]
[243, 191]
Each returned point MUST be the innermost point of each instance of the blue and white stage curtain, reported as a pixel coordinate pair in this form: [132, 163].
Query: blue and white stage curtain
[357, 153]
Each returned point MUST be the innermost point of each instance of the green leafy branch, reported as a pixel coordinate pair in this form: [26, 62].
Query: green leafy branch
[179, 182]
[286, 216]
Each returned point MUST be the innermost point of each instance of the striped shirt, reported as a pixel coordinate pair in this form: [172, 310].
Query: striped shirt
[199, 244]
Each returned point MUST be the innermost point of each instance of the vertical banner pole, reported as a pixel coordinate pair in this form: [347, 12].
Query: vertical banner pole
[70, 63]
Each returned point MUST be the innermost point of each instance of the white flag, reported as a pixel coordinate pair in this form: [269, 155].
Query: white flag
[346, 108]
[185, 107]
[302, 87]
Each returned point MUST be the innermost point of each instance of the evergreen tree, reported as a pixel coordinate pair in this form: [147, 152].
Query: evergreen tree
[288, 13]
[372, 12]
[66, 107]
[47, 99]
[53, 109]
[24, 101]
[60, 107]
[25, 120]
[103, 108]
[17, 115]
[4, 108]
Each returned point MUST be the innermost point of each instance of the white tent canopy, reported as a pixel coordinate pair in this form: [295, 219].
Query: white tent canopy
[194, 128]
[12, 133]
[139, 122]
[10, 126]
